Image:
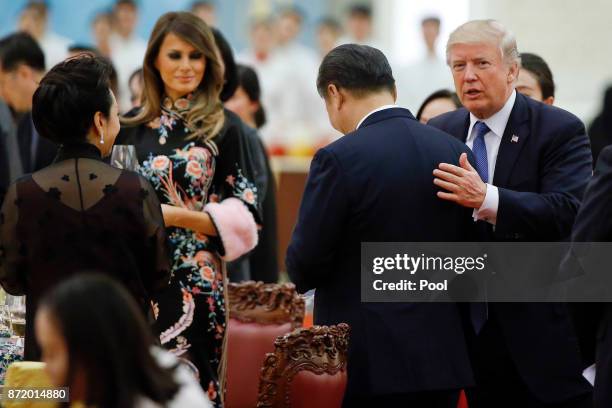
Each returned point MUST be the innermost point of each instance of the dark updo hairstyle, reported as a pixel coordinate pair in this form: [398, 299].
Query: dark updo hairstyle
[247, 79]
[441, 94]
[108, 342]
[69, 95]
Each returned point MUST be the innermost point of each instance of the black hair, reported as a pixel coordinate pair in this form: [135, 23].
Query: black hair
[69, 95]
[21, 48]
[39, 6]
[108, 339]
[431, 19]
[227, 55]
[201, 3]
[132, 3]
[359, 69]
[247, 79]
[360, 10]
[330, 22]
[539, 68]
[83, 48]
[441, 94]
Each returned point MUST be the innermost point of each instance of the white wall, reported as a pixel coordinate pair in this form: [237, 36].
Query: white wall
[574, 37]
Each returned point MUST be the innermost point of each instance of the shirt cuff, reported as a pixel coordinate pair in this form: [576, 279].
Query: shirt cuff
[488, 210]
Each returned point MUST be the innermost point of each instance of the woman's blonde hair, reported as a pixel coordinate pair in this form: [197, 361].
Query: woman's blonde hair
[206, 116]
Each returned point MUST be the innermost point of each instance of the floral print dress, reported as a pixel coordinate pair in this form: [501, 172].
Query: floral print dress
[194, 174]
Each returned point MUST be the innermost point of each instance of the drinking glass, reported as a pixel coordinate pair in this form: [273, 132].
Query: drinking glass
[124, 157]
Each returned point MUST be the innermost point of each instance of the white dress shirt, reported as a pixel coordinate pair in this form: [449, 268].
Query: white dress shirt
[374, 111]
[497, 125]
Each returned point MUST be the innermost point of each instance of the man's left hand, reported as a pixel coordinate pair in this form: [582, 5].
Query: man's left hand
[464, 185]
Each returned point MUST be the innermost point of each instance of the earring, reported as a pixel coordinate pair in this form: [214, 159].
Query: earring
[101, 137]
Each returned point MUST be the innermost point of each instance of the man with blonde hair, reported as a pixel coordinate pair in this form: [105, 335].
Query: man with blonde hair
[532, 164]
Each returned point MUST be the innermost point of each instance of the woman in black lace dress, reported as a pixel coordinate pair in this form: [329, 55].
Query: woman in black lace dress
[194, 154]
[80, 214]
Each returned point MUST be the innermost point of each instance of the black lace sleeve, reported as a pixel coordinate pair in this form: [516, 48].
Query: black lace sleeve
[235, 174]
[158, 275]
[12, 256]
[233, 203]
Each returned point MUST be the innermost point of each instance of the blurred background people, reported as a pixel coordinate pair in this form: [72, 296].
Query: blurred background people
[246, 103]
[34, 20]
[195, 155]
[80, 213]
[359, 26]
[127, 49]
[22, 65]
[95, 341]
[136, 84]
[600, 130]
[329, 32]
[102, 30]
[416, 81]
[437, 103]
[206, 10]
[535, 79]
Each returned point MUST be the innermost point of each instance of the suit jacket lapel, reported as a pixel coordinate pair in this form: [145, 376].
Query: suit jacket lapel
[514, 138]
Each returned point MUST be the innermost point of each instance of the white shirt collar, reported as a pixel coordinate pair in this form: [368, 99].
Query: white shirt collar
[498, 121]
[374, 111]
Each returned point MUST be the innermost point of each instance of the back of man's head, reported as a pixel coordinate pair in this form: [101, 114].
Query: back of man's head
[21, 48]
[539, 68]
[359, 69]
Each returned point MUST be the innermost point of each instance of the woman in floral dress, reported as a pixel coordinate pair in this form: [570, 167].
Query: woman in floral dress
[193, 153]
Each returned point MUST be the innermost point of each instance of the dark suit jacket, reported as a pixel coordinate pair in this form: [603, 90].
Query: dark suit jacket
[45, 149]
[4, 166]
[376, 185]
[594, 224]
[541, 180]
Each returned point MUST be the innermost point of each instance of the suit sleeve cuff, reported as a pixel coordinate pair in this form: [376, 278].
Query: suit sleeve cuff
[488, 210]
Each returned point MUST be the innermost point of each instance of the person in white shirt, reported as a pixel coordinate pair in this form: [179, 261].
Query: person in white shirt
[287, 72]
[206, 10]
[418, 80]
[127, 50]
[328, 35]
[34, 20]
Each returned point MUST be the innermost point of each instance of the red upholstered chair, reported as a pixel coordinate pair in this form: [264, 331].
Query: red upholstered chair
[258, 314]
[307, 369]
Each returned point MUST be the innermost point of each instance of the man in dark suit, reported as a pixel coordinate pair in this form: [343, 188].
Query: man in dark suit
[375, 185]
[594, 224]
[22, 65]
[532, 166]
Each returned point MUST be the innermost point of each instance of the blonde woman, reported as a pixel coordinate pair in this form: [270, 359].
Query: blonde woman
[193, 152]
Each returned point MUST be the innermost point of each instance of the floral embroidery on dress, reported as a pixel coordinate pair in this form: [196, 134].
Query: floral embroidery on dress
[198, 164]
[243, 188]
[184, 322]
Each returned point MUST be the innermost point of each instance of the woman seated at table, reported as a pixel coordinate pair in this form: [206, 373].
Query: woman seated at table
[95, 342]
[80, 213]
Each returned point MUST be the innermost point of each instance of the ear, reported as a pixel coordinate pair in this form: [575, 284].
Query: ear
[99, 121]
[23, 71]
[549, 101]
[513, 72]
[335, 96]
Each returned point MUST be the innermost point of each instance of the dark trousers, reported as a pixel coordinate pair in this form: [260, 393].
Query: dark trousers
[425, 399]
[499, 385]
